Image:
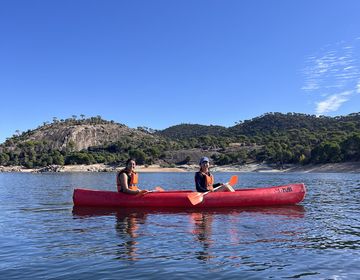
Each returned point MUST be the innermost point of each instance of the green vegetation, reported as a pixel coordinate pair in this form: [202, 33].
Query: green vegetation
[274, 138]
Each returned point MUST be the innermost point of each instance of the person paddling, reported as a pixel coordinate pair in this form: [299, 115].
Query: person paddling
[127, 179]
[204, 180]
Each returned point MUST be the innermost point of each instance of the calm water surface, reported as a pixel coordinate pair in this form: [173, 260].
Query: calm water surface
[44, 237]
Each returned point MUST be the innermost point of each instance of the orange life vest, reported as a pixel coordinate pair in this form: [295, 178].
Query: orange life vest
[209, 179]
[133, 180]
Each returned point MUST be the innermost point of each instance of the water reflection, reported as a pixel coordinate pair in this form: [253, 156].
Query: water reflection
[295, 211]
[203, 232]
[234, 227]
[127, 226]
[204, 226]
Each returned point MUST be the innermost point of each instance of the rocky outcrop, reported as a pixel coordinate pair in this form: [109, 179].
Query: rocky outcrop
[79, 137]
[50, 168]
[11, 168]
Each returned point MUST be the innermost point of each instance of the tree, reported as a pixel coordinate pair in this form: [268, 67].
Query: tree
[302, 159]
[326, 152]
[153, 152]
[351, 147]
[79, 158]
[71, 146]
[58, 158]
[4, 159]
[138, 155]
[99, 158]
[222, 159]
[333, 152]
[45, 160]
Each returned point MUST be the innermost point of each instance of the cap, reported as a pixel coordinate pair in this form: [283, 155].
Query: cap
[203, 159]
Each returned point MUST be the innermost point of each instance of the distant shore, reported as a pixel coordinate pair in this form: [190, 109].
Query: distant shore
[345, 167]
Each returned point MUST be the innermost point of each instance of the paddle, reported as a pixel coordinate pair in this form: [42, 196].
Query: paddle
[196, 197]
[157, 189]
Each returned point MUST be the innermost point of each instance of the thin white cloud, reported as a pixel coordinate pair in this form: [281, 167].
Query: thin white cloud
[333, 75]
[332, 103]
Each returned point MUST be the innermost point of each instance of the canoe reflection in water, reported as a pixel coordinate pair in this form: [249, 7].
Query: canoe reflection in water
[127, 226]
[291, 211]
[203, 232]
[203, 225]
[130, 222]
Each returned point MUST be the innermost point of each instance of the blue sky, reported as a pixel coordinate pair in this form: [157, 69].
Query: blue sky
[159, 63]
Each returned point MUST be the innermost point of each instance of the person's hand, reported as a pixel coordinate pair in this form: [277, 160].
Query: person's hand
[210, 188]
[142, 192]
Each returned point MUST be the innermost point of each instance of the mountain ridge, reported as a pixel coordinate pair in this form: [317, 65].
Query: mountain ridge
[273, 137]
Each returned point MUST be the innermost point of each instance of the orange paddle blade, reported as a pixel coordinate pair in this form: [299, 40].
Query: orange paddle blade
[233, 180]
[195, 198]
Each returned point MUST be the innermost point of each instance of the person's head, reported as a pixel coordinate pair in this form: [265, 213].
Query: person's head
[130, 164]
[204, 163]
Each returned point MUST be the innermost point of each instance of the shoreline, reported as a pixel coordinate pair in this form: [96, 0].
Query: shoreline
[344, 167]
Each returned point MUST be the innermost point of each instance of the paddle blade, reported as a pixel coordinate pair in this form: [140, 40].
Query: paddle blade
[159, 189]
[195, 198]
[233, 180]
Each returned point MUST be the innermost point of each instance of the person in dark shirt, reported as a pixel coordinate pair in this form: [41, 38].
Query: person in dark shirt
[204, 180]
[127, 179]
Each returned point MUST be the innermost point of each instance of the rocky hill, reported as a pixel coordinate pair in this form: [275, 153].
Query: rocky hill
[79, 134]
[83, 136]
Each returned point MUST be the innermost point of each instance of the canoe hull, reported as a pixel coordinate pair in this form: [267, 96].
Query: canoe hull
[277, 195]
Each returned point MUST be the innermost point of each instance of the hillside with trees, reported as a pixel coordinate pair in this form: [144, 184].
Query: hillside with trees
[272, 138]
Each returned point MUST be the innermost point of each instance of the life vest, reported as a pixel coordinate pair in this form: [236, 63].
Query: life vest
[209, 179]
[133, 180]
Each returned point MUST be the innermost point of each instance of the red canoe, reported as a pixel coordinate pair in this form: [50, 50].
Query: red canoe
[278, 195]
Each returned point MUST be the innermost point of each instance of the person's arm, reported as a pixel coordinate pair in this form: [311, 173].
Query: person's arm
[200, 183]
[124, 185]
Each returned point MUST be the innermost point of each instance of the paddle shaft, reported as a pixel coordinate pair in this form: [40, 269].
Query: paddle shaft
[205, 193]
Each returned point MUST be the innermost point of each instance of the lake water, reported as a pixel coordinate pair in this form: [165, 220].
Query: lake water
[43, 237]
